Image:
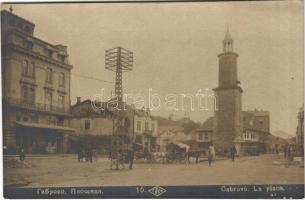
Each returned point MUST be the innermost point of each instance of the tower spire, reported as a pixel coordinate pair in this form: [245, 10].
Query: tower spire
[227, 42]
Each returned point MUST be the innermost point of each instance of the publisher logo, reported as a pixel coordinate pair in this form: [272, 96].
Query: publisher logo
[157, 191]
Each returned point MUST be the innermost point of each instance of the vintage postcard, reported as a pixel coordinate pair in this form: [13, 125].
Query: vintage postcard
[153, 99]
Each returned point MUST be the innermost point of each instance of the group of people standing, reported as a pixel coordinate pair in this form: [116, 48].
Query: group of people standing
[85, 155]
[123, 157]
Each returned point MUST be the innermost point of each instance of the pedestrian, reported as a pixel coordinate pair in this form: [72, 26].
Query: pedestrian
[84, 155]
[22, 154]
[94, 154]
[276, 149]
[121, 159]
[131, 156]
[232, 153]
[213, 154]
[79, 155]
[289, 153]
[210, 157]
[146, 153]
[89, 155]
[285, 151]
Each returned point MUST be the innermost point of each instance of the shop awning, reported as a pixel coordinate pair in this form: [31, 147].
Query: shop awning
[182, 145]
[45, 126]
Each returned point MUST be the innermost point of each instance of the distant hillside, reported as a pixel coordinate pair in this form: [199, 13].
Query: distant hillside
[282, 134]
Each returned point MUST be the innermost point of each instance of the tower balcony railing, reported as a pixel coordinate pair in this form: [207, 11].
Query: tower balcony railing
[34, 106]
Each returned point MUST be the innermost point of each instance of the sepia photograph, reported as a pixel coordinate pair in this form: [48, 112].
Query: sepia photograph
[153, 99]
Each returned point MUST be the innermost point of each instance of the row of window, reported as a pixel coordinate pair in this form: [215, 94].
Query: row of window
[146, 126]
[249, 135]
[50, 77]
[48, 52]
[203, 136]
[29, 71]
[49, 99]
[28, 96]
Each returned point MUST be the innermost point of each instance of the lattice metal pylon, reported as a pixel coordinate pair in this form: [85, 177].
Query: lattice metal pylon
[118, 60]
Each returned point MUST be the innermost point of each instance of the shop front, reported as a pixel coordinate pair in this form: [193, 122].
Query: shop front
[41, 138]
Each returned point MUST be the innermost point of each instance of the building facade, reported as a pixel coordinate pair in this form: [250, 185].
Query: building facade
[228, 112]
[254, 138]
[256, 129]
[87, 120]
[300, 130]
[138, 125]
[146, 129]
[35, 89]
[204, 134]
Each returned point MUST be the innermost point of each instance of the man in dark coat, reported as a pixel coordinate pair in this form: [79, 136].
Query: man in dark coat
[131, 156]
[232, 153]
[79, 155]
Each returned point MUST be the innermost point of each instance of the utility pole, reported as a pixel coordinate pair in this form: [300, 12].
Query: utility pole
[118, 60]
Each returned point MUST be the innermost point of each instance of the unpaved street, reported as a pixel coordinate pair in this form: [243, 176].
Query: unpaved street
[64, 170]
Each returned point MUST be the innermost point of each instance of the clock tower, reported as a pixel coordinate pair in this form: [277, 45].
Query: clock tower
[228, 112]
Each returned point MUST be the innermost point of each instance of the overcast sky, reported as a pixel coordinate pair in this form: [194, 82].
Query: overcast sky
[176, 45]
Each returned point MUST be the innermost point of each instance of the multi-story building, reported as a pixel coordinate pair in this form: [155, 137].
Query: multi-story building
[204, 134]
[256, 129]
[300, 130]
[138, 125]
[35, 88]
[88, 120]
[146, 129]
[258, 119]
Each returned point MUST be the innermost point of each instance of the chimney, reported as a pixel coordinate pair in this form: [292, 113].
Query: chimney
[78, 100]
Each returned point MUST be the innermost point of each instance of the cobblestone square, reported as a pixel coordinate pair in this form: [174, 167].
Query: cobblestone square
[65, 170]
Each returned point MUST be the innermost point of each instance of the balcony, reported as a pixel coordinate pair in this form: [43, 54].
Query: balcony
[19, 103]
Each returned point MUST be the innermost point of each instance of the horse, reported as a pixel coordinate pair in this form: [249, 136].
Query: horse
[195, 154]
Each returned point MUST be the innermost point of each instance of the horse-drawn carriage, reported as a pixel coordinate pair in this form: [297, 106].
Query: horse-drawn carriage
[142, 153]
[176, 152]
[180, 152]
